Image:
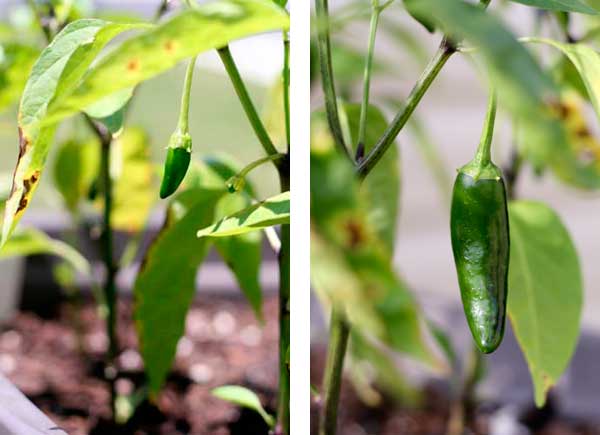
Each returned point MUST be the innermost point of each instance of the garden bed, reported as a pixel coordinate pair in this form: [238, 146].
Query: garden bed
[57, 363]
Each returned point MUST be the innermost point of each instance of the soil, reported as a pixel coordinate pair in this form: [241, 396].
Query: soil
[58, 364]
[389, 418]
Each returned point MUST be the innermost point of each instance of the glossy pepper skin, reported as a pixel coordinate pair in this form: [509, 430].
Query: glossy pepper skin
[481, 246]
[177, 162]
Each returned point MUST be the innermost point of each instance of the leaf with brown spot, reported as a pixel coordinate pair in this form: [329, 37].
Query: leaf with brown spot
[206, 27]
[57, 71]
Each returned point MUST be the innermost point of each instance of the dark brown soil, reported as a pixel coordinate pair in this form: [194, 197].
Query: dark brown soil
[62, 370]
[355, 418]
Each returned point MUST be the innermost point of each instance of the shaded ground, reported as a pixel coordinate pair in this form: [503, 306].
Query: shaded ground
[355, 418]
[62, 371]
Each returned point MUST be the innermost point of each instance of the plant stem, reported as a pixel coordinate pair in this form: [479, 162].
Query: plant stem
[283, 414]
[286, 86]
[339, 331]
[247, 104]
[255, 164]
[183, 124]
[435, 65]
[484, 154]
[110, 294]
[375, 11]
[327, 80]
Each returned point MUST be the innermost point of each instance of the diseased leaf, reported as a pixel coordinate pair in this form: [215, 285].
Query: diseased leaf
[350, 266]
[165, 285]
[243, 397]
[382, 186]
[560, 5]
[587, 62]
[545, 292]
[57, 86]
[57, 70]
[524, 89]
[272, 211]
[207, 26]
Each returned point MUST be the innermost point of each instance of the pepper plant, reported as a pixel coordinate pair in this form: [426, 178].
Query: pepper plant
[512, 255]
[84, 76]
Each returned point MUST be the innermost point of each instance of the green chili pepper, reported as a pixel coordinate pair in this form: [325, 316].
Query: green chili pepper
[180, 146]
[176, 164]
[480, 241]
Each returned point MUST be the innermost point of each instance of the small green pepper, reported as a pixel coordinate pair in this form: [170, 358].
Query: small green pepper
[176, 164]
[480, 241]
[179, 152]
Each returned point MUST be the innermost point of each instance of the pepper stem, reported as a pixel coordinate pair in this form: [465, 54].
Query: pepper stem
[183, 123]
[484, 155]
[236, 183]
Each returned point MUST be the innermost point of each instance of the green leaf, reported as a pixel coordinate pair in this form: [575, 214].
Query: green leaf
[241, 253]
[545, 292]
[350, 266]
[111, 110]
[560, 5]
[208, 26]
[75, 169]
[244, 397]
[165, 285]
[57, 70]
[267, 213]
[31, 242]
[419, 16]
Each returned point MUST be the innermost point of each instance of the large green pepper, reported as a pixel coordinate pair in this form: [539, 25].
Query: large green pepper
[480, 242]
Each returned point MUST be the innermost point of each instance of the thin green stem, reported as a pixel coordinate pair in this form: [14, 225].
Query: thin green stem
[286, 85]
[339, 331]
[435, 65]
[184, 114]
[255, 164]
[110, 290]
[327, 80]
[375, 11]
[283, 412]
[237, 182]
[484, 150]
[246, 101]
[433, 68]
